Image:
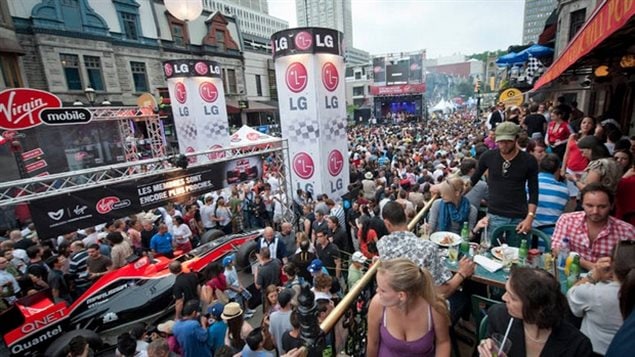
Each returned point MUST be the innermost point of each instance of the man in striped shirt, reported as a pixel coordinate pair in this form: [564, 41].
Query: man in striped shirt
[337, 211]
[552, 194]
[78, 269]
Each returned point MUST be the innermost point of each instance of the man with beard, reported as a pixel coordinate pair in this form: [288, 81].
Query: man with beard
[592, 233]
[510, 171]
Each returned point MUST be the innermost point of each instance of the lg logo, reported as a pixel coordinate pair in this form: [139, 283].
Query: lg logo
[208, 92]
[296, 77]
[336, 162]
[303, 40]
[168, 70]
[180, 92]
[330, 76]
[191, 159]
[303, 165]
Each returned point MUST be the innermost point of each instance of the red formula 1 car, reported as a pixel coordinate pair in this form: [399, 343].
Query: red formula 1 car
[242, 172]
[140, 291]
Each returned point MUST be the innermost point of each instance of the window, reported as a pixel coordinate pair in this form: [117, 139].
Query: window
[577, 19]
[93, 69]
[139, 76]
[358, 75]
[258, 85]
[178, 34]
[358, 91]
[230, 78]
[70, 63]
[273, 89]
[130, 25]
[220, 40]
[10, 71]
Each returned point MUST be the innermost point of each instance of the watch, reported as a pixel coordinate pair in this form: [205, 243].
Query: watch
[532, 214]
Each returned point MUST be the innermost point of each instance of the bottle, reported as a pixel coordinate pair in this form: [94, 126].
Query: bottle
[464, 248]
[523, 252]
[574, 272]
[563, 253]
[567, 264]
[548, 262]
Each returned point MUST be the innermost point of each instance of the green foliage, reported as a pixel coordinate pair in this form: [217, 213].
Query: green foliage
[484, 55]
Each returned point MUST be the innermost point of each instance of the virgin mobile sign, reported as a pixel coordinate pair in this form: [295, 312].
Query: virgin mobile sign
[24, 108]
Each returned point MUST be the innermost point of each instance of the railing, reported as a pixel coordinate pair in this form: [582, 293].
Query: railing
[314, 344]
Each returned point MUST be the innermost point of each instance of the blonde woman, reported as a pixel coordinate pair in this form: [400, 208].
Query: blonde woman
[448, 213]
[406, 317]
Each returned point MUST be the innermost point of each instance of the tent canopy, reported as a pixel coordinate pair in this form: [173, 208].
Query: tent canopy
[249, 136]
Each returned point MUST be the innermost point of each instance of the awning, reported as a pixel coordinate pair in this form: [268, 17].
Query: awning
[254, 107]
[608, 18]
[10, 45]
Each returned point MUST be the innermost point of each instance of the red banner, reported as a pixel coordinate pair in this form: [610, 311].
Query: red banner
[398, 90]
[608, 18]
[32, 154]
[40, 164]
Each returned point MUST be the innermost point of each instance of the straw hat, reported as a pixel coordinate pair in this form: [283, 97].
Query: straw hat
[231, 311]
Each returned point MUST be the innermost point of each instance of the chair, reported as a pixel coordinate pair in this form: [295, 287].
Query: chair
[507, 234]
[482, 328]
[480, 305]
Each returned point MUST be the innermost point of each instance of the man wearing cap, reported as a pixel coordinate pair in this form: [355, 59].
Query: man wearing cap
[191, 331]
[510, 171]
[368, 185]
[217, 327]
[356, 269]
[235, 290]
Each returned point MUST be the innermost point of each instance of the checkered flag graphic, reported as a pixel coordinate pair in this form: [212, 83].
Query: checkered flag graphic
[303, 132]
[186, 129]
[335, 130]
[214, 129]
[534, 69]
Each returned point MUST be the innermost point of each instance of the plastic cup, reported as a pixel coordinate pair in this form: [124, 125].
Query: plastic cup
[498, 341]
[453, 254]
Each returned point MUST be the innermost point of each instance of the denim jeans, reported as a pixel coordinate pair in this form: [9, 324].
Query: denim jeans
[496, 221]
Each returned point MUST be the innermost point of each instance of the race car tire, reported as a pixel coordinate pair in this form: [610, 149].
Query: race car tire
[246, 254]
[211, 235]
[58, 347]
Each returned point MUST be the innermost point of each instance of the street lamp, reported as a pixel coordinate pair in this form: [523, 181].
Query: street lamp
[90, 95]
[184, 10]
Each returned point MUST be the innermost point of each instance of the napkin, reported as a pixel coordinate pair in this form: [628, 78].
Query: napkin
[487, 263]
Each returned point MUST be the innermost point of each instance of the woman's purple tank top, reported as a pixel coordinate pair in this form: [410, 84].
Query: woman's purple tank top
[390, 346]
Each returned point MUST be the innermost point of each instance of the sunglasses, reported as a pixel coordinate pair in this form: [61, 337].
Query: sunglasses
[506, 166]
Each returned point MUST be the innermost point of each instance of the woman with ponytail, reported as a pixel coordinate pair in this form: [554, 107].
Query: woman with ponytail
[623, 343]
[406, 317]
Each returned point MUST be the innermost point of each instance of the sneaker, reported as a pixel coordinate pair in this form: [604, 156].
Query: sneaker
[248, 316]
[250, 311]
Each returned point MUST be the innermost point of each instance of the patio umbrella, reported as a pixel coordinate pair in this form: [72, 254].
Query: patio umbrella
[537, 51]
[508, 59]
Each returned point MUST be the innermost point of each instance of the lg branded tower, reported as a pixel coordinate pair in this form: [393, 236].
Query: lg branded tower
[198, 105]
[310, 68]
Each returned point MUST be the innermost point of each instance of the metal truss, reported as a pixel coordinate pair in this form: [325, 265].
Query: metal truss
[20, 191]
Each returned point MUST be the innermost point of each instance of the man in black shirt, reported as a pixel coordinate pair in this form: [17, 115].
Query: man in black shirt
[535, 123]
[185, 287]
[56, 280]
[149, 230]
[510, 170]
[268, 271]
[329, 254]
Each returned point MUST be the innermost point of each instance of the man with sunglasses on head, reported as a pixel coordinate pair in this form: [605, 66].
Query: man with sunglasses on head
[509, 172]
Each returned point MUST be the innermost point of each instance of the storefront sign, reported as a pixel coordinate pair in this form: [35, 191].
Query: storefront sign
[608, 18]
[20, 108]
[65, 116]
[398, 90]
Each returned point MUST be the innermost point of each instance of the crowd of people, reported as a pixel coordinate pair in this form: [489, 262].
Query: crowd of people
[542, 167]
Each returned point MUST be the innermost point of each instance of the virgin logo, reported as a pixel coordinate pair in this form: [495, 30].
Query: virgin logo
[330, 76]
[20, 107]
[208, 92]
[216, 155]
[180, 92]
[303, 40]
[296, 77]
[253, 136]
[168, 70]
[110, 203]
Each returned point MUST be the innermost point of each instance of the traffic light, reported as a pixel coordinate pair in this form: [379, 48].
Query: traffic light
[477, 86]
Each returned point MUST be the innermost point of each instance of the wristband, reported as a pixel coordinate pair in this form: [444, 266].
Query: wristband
[462, 276]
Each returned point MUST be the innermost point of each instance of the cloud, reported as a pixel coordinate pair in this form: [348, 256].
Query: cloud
[442, 27]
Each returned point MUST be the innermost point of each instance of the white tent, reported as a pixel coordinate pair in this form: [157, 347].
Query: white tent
[249, 136]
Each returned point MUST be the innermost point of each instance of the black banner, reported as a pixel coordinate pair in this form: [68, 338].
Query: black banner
[397, 73]
[379, 69]
[66, 213]
[307, 40]
[416, 69]
[191, 68]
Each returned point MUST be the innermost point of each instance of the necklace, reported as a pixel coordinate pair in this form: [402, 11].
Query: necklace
[540, 341]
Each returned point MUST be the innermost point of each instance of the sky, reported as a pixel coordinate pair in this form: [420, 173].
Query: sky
[442, 27]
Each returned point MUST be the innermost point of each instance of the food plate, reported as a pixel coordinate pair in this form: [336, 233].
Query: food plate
[497, 252]
[445, 239]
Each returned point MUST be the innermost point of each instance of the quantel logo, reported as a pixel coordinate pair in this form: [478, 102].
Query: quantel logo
[65, 116]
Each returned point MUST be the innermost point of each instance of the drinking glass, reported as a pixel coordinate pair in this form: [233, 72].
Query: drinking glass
[508, 257]
[486, 243]
[498, 341]
[453, 254]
